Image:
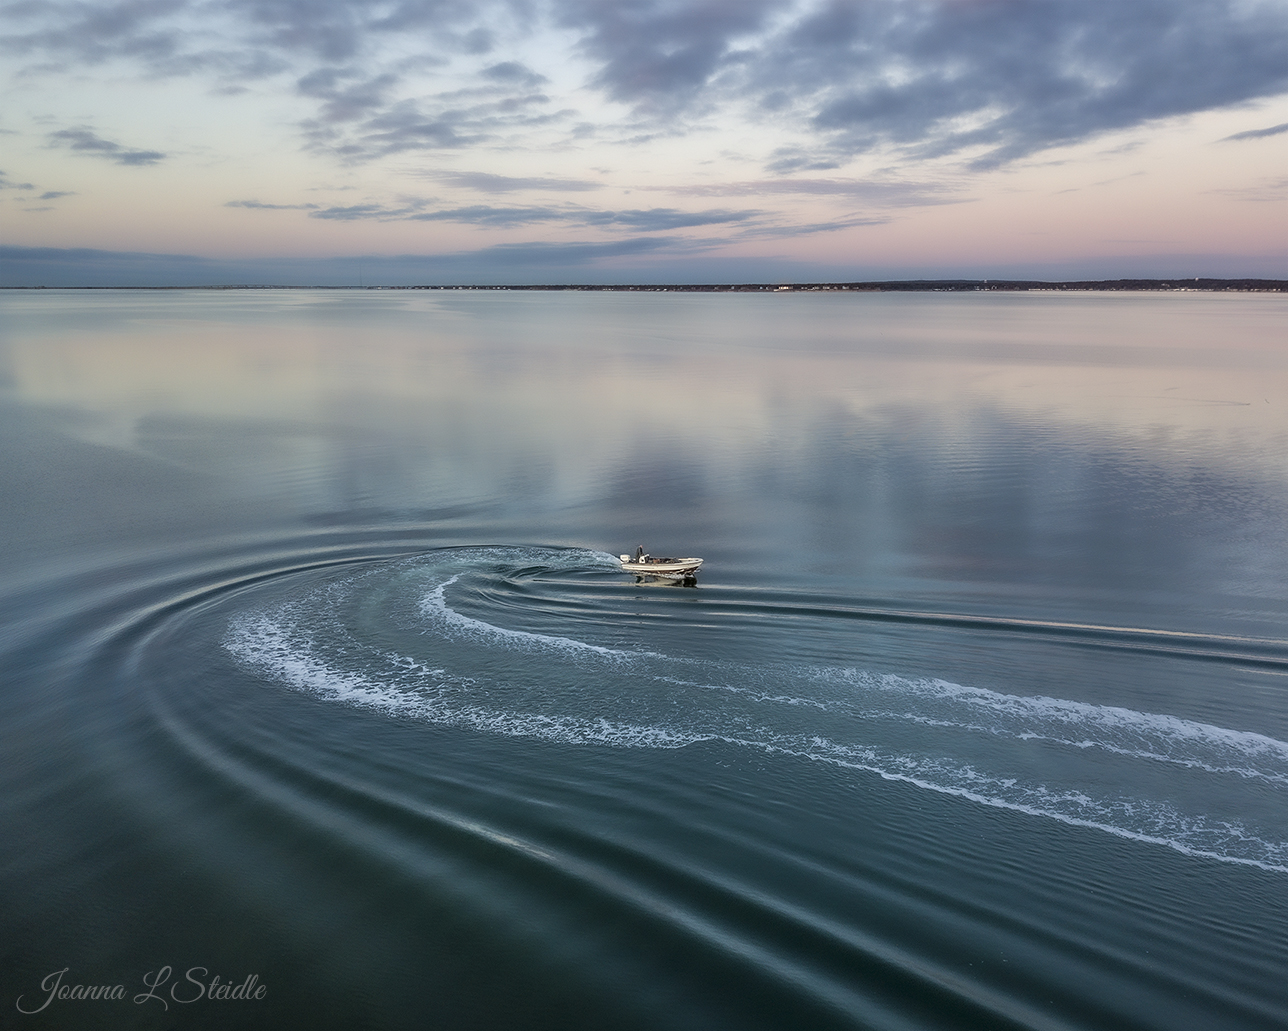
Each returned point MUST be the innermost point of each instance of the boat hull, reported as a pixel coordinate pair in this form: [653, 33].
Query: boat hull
[680, 567]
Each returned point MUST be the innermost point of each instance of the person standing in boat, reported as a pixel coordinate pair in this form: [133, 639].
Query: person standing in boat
[639, 554]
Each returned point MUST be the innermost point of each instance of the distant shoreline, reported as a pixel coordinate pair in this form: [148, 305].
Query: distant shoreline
[891, 286]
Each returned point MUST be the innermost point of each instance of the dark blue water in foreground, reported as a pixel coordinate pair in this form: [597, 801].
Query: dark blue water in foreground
[317, 667]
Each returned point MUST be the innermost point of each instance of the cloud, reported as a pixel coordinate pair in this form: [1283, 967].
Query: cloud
[531, 262]
[650, 220]
[7, 184]
[400, 127]
[485, 215]
[55, 194]
[350, 56]
[82, 266]
[882, 193]
[370, 103]
[514, 72]
[660, 54]
[341, 30]
[661, 219]
[94, 33]
[257, 206]
[1256, 134]
[345, 100]
[995, 80]
[541, 255]
[985, 81]
[166, 38]
[1267, 190]
[438, 122]
[360, 212]
[807, 228]
[487, 182]
[1001, 79]
[649, 259]
[87, 142]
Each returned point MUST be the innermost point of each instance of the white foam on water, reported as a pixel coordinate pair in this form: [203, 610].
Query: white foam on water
[434, 607]
[1126, 732]
[758, 696]
[282, 644]
[270, 643]
[267, 644]
[1170, 827]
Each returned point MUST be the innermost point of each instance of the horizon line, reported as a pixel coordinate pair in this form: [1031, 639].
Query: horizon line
[1173, 284]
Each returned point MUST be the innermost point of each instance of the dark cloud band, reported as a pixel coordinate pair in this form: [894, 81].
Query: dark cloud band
[649, 220]
[87, 142]
[1258, 134]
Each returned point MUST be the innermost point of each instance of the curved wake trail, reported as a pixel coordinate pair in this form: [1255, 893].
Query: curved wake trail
[1083, 764]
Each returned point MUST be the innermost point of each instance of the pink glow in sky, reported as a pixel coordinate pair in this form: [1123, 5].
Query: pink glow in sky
[695, 140]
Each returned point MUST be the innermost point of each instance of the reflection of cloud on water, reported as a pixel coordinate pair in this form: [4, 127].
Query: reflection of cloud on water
[715, 366]
[998, 435]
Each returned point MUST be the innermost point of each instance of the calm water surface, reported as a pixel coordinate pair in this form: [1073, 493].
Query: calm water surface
[316, 664]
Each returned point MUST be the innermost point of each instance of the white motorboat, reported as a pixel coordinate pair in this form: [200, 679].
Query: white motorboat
[647, 565]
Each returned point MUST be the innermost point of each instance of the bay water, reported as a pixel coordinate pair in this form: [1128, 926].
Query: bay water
[325, 702]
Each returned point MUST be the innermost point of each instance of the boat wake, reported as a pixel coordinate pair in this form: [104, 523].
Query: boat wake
[417, 639]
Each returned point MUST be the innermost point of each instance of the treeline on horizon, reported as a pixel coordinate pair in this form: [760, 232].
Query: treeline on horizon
[907, 285]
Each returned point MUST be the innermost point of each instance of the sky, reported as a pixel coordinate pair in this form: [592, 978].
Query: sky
[339, 142]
